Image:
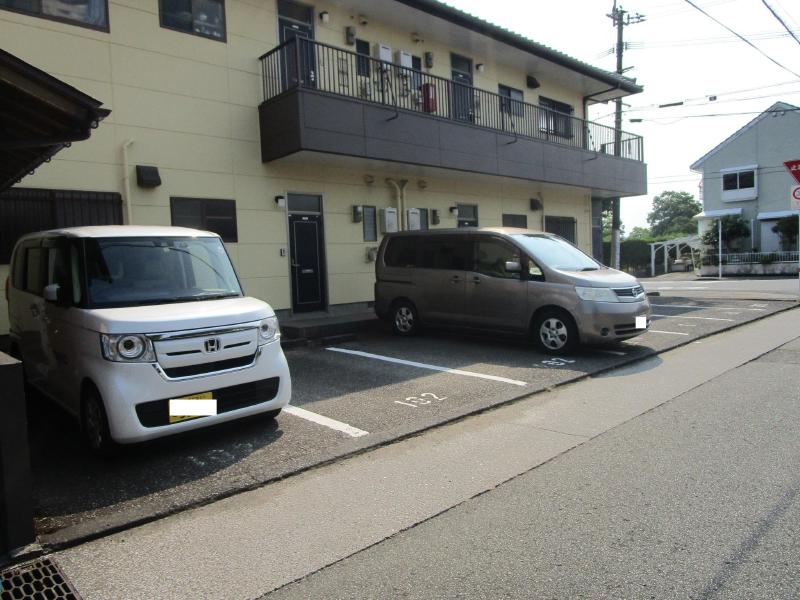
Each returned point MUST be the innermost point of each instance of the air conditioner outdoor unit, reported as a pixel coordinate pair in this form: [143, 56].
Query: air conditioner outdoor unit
[403, 59]
[384, 54]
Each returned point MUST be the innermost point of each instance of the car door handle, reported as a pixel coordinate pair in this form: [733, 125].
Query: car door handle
[307, 271]
[476, 280]
[455, 279]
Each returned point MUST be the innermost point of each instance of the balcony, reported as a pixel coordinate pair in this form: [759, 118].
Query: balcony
[324, 99]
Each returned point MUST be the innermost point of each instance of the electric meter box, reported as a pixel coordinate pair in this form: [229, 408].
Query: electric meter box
[403, 59]
[412, 218]
[388, 220]
[383, 52]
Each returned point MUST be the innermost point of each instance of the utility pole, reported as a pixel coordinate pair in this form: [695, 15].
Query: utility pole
[621, 18]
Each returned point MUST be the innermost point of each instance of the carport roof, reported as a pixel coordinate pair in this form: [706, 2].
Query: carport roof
[39, 115]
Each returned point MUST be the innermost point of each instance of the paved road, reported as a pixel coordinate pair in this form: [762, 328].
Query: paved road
[360, 384]
[672, 477]
[775, 288]
[696, 499]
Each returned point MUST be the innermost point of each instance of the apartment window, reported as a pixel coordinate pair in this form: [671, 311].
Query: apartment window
[362, 61]
[208, 214]
[87, 13]
[416, 76]
[205, 18]
[555, 117]
[25, 210]
[739, 183]
[423, 219]
[370, 224]
[467, 215]
[520, 221]
[511, 100]
[563, 226]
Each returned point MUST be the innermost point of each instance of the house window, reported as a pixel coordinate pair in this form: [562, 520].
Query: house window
[370, 224]
[511, 100]
[362, 61]
[563, 226]
[555, 117]
[416, 76]
[88, 13]
[467, 215]
[208, 214]
[520, 221]
[205, 18]
[25, 210]
[739, 183]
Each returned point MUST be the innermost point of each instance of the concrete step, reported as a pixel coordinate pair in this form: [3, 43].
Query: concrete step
[326, 326]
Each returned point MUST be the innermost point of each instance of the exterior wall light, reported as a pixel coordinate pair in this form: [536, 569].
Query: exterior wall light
[480, 67]
[325, 16]
[454, 211]
[368, 179]
[280, 201]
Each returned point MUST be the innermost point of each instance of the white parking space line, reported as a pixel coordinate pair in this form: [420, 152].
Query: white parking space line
[686, 325]
[685, 317]
[411, 363]
[703, 307]
[324, 421]
[614, 352]
[667, 332]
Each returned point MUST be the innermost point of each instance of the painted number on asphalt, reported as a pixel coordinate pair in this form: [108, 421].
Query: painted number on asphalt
[557, 362]
[424, 399]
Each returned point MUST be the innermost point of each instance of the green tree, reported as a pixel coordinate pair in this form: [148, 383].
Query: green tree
[607, 227]
[640, 233]
[787, 229]
[672, 214]
[734, 228]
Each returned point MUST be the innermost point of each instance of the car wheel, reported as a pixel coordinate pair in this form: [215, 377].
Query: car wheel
[405, 320]
[94, 424]
[554, 332]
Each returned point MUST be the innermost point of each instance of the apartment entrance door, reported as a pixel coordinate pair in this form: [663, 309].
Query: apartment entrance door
[297, 21]
[463, 100]
[307, 252]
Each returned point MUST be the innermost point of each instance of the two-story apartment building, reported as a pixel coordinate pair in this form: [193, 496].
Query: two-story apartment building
[745, 175]
[301, 132]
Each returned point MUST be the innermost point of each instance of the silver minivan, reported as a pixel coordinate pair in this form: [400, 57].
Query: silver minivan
[506, 280]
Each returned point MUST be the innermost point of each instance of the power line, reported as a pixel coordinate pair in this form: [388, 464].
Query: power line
[744, 39]
[730, 114]
[781, 21]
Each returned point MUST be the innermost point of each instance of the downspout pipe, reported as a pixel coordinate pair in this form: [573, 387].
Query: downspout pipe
[126, 181]
[400, 199]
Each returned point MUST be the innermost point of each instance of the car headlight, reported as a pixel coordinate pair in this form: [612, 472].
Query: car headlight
[268, 329]
[596, 294]
[127, 348]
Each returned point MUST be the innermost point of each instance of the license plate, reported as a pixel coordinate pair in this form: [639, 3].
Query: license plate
[193, 406]
[641, 322]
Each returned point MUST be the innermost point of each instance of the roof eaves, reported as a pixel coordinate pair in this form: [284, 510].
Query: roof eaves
[501, 34]
[778, 106]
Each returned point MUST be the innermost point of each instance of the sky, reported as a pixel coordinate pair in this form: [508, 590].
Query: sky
[677, 54]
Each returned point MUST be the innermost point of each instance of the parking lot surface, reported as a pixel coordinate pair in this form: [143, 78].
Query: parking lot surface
[347, 397]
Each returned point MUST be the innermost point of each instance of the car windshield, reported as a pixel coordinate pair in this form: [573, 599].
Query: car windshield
[158, 270]
[556, 253]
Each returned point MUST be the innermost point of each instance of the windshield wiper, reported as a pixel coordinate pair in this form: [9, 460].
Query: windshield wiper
[213, 296]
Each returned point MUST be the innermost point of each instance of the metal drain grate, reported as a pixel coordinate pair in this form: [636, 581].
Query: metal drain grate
[36, 580]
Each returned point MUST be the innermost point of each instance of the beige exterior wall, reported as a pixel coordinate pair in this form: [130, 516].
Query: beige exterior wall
[189, 105]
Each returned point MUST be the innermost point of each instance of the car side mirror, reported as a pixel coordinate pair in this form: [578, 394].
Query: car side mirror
[50, 292]
[513, 266]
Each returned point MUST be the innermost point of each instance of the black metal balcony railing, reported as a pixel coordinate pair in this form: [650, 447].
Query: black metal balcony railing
[313, 65]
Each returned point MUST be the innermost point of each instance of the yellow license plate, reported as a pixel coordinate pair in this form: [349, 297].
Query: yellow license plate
[201, 396]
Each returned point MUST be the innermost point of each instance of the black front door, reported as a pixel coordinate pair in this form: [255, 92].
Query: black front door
[296, 21]
[308, 262]
[463, 99]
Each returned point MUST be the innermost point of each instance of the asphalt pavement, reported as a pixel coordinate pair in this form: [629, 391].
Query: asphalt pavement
[672, 476]
[347, 397]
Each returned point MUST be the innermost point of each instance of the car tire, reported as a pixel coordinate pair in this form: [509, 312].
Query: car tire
[405, 319]
[555, 332]
[94, 425]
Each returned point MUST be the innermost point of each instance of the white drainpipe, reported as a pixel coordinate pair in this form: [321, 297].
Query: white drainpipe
[400, 197]
[126, 181]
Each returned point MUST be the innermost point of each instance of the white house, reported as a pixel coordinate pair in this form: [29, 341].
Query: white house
[745, 175]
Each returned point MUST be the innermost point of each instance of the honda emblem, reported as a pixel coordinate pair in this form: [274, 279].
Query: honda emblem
[211, 344]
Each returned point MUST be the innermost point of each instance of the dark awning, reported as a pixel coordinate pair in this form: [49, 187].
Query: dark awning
[39, 115]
